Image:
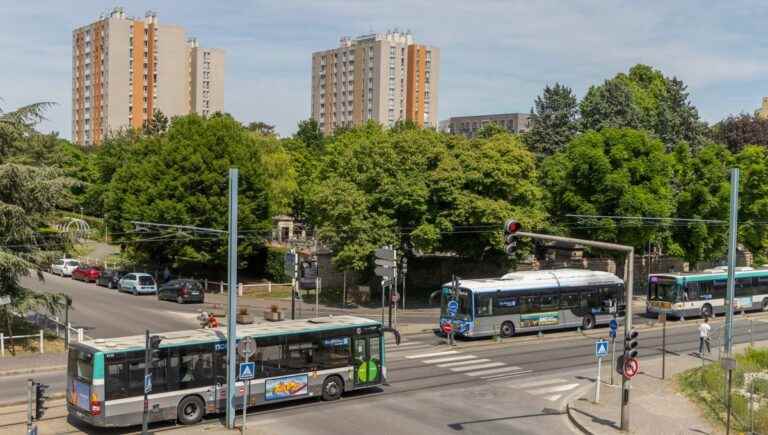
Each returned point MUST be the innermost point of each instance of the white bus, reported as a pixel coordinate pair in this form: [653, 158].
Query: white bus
[703, 293]
[322, 357]
[532, 301]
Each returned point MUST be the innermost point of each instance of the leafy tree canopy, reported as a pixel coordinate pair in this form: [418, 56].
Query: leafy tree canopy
[554, 119]
[736, 132]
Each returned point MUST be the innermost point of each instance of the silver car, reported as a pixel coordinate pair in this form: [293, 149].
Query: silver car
[137, 283]
[64, 266]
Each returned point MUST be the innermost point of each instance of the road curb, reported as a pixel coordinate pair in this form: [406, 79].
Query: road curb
[32, 370]
[574, 421]
[54, 396]
[576, 395]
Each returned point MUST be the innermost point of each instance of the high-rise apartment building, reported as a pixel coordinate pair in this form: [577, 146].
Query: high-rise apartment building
[384, 77]
[123, 69]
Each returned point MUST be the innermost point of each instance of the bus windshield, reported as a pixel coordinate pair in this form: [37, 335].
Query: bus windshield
[80, 365]
[464, 299]
[661, 289]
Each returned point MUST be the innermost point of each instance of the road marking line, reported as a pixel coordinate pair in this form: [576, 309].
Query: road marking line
[552, 398]
[539, 383]
[449, 359]
[404, 343]
[495, 371]
[555, 389]
[410, 350]
[508, 375]
[427, 355]
[463, 363]
[477, 367]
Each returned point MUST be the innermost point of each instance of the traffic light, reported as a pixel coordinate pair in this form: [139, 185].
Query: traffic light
[630, 344]
[40, 399]
[511, 227]
[154, 347]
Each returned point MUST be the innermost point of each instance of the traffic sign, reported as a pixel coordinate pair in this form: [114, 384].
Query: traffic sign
[601, 348]
[247, 370]
[452, 308]
[384, 272]
[148, 383]
[385, 253]
[612, 333]
[384, 262]
[631, 367]
[246, 347]
[447, 328]
[614, 325]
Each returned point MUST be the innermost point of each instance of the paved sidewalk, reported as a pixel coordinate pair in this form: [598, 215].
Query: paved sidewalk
[656, 407]
[32, 363]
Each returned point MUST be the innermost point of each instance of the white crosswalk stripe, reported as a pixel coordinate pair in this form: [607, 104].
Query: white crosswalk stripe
[403, 344]
[555, 389]
[499, 370]
[449, 359]
[463, 363]
[554, 397]
[477, 367]
[427, 355]
[538, 383]
[552, 389]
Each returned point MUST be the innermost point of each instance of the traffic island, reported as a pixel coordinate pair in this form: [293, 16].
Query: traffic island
[656, 406]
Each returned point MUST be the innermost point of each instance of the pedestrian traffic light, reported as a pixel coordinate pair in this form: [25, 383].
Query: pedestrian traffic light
[40, 399]
[630, 344]
[154, 347]
[511, 227]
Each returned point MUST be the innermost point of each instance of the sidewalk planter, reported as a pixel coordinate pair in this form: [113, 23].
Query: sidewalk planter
[244, 317]
[273, 316]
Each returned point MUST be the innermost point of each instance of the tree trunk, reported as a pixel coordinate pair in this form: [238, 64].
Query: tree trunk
[9, 323]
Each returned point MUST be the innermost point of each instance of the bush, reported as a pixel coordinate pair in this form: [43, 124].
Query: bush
[275, 265]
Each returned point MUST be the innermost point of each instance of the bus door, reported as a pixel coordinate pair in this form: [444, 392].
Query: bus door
[366, 354]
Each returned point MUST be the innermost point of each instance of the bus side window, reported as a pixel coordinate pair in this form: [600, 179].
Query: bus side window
[718, 289]
[705, 290]
[507, 303]
[549, 302]
[762, 285]
[569, 300]
[117, 380]
[529, 304]
[690, 292]
[485, 304]
[335, 351]
[743, 287]
[589, 297]
[196, 367]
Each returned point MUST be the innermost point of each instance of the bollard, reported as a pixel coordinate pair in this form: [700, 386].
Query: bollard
[68, 327]
[269, 287]
[42, 340]
[2, 344]
[240, 289]
[221, 287]
[79, 335]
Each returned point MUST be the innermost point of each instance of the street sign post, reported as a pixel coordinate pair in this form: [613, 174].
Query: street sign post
[246, 372]
[386, 269]
[613, 325]
[246, 347]
[148, 383]
[601, 350]
[384, 272]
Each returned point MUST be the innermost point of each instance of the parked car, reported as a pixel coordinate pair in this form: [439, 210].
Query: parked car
[64, 266]
[137, 283]
[109, 278]
[181, 291]
[86, 273]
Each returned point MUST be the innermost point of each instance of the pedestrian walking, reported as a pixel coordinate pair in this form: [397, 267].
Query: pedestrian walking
[704, 330]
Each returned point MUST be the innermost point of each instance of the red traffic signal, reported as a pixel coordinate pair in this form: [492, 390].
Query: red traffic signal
[512, 226]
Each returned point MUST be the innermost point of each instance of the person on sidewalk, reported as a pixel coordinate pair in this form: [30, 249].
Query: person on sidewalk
[704, 330]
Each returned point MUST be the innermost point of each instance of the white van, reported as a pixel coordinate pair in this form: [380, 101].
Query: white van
[64, 266]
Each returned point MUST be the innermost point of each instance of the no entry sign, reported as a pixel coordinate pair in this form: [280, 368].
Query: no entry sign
[631, 367]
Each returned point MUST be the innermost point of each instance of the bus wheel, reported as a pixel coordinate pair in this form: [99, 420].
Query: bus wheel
[507, 329]
[332, 388]
[190, 410]
[706, 310]
[588, 322]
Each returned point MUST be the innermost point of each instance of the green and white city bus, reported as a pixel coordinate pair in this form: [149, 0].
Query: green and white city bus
[532, 301]
[322, 357]
[703, 293]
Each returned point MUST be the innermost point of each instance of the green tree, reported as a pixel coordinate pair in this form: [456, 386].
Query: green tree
[310, 134]
[181, 178]
[27, 197]
[753, 201]
[736, 132]
[491, 129]
[156, 124]
[621, 172]
[646, 99]
[261, 128]
[554, 120]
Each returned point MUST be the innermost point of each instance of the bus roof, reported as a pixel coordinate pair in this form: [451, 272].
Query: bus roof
[259, 329]
[538, 279]
[712, 274]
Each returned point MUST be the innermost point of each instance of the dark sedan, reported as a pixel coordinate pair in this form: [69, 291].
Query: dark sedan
[181, 291]
[86, 273]
[109, 278]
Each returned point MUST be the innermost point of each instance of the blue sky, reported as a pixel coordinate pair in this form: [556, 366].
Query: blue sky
[496, 55]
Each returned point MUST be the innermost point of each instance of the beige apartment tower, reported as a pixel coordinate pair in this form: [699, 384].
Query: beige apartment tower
[123, 69]
[384, 77]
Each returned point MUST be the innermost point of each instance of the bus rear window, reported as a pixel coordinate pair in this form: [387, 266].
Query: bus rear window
[80, 365]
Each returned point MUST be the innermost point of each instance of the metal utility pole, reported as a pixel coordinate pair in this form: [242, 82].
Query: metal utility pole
[404, 263]
[629, 267]
[232, 298]
[145, 413]
[30, 394]
[729, 363]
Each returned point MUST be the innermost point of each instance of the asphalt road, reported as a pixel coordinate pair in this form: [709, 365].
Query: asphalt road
[107, 313]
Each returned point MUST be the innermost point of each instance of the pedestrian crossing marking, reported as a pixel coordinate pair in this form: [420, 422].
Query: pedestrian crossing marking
[506, 375]
[496, 371]
[554, 397]
[406, 343]
[539, 383]
[427, 355]
[463, 363]
[555, 389]
[449, 359]
[477, 367]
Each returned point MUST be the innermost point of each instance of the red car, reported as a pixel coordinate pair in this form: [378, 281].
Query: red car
[86, 273]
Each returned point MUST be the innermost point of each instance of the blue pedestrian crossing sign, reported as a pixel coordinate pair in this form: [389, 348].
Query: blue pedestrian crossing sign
[613, 325]
[247, 370]
[452, 307]
[601, 348]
